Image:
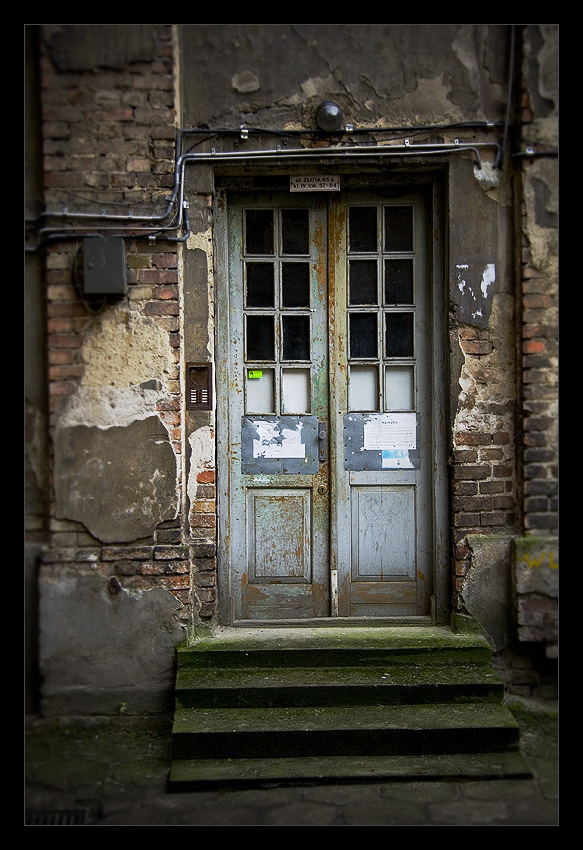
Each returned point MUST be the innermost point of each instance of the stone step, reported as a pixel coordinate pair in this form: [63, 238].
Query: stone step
[313, 647]
[368, 685]
[342, 731]
[216, 774]
[284, 706]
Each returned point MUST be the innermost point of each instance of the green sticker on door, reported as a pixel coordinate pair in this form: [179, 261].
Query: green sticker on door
[255, 373]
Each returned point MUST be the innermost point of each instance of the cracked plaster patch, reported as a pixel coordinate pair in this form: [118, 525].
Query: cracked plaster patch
[245, 81]
[203, 241]
[475, 393]
[119, 482]
[128, 364]
[202, 447]
[488, 175]
[428, 103]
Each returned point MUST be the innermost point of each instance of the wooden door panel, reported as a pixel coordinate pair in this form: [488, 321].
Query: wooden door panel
[279, 540]
[383, 533]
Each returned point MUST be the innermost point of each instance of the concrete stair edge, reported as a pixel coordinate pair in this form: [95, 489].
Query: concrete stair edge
[187, 775]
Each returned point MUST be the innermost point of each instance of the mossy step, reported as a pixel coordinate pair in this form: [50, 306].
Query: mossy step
[361, 730]
[214, 774]
[336, 685]
[313, 647]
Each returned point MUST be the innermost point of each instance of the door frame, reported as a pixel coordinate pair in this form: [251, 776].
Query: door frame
[432, 187]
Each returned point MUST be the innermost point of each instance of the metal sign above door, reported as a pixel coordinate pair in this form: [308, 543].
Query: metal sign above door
[315, 183]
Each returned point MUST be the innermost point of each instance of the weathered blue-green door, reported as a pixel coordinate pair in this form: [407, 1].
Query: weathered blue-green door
[326, 441]
[382, 364]
[278, 533]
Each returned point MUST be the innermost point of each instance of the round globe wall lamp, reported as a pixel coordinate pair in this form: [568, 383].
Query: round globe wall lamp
[329, 116]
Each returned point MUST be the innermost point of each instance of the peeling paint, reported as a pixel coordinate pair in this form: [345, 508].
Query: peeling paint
[488, 175]
[278, 442]
[202, 448]
[461, 282]
[474, 282]
[128, 365]
[488, 278]
[203, 241]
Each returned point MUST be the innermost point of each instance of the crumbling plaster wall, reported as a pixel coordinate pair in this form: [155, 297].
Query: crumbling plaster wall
[528, 583]
[483, 398]
[501, 238]
[110, 433]
[274, 77]
[118, 406]
[114, 584]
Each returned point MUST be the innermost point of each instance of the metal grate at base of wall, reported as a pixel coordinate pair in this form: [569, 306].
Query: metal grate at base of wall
[74, 817]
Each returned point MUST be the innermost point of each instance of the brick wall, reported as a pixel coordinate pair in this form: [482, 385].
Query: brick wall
[108, 139]
[540, 398]
[109, 145]
[505, 474]
[108, 134]
[539, 279]
[484, 486]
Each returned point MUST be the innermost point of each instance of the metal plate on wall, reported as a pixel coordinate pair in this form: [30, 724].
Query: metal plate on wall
[384, 441]
[279, 444]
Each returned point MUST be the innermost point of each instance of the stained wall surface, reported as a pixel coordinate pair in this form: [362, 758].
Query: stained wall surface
[122, 475]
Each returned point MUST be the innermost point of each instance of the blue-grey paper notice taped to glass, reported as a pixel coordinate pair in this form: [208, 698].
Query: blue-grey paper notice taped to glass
[279, 444]
[380, 441]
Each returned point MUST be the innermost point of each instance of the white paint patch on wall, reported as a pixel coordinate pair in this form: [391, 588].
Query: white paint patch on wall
[488, 278]
[204, 242]
[487, 175]
[202, 456]
[122, 354]
[461, 269]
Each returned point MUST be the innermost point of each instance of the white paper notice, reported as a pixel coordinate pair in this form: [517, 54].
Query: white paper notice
[391, 431]
[275, 443]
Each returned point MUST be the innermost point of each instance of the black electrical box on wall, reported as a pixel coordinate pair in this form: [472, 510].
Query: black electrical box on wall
[199, 386]
[104, 266]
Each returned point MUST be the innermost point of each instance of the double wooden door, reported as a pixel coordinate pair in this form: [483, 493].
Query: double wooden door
[325, 417]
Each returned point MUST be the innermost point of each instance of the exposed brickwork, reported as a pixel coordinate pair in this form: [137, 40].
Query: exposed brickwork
[539, 312]
[109, 145]
[108, 135]
[109, 139]
[203, 524]
[540, 404]
[527, 672]
[134, 567]
[483, 461]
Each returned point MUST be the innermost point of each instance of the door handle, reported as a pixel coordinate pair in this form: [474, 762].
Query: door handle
[323, 441]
